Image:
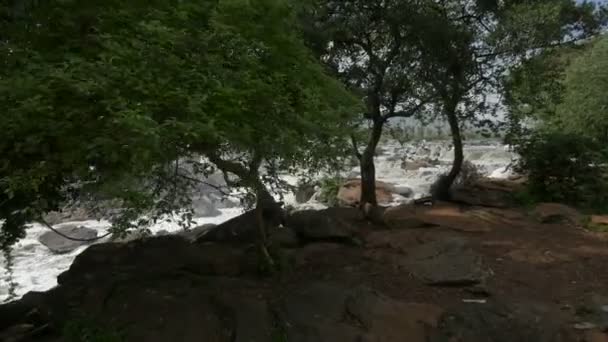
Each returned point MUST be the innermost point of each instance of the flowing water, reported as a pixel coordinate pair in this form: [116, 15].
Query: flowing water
[36, 268]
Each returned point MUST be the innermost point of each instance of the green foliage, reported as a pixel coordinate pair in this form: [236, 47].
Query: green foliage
[562, 89]
[329, 190]
[565, 168]
[584, 109]
[86, 330]
[110, 100]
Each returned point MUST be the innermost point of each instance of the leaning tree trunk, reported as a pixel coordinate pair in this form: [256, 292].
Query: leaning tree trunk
[368, 169]
[442, 190]
[263, 199]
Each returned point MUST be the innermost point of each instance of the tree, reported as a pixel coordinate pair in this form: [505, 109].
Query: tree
[366, 45]
[584, 109]
[423, 57]
[111, 99]
[468, 47]
[557, 111]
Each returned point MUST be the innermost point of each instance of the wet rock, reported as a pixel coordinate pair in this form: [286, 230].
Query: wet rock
[447, 262]
[244, 228]
[59, 244]
[557, 213]
[404, 191]
[156, 257]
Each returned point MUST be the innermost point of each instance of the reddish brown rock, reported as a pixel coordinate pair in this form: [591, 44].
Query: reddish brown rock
[441, 214]
[350, 193]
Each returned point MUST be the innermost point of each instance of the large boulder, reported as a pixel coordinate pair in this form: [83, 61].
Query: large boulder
[486, 192]
[335, 224]
[156, 257]
[350, 193]
[59, 244]
[447, 262]
[244, 228]
[404, 191]
[67, 215]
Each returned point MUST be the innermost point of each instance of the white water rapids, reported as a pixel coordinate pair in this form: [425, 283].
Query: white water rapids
[36, 268]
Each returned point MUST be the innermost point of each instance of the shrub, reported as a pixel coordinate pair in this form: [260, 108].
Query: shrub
[566, 168]
[329, 190]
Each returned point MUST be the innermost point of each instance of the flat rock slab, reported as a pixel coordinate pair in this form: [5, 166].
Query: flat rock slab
[444, 215]
[447, 262]
[501, 322]
[327, 312]
[557, 213]
[59, 244]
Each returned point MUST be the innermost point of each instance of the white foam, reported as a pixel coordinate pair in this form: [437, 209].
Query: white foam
[36, 268]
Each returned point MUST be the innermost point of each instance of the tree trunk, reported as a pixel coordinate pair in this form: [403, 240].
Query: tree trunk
[368, 169]
[442, 190]
[262, 242]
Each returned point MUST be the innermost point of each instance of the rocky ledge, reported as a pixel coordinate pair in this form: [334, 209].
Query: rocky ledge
[440, 273]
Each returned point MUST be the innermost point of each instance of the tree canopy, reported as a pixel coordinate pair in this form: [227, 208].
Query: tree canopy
[111, 96]
[418, 57]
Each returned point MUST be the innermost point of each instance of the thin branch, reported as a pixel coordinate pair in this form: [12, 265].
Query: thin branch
[216, 187]
[540, 46]
[41, 220]
[406, 113]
